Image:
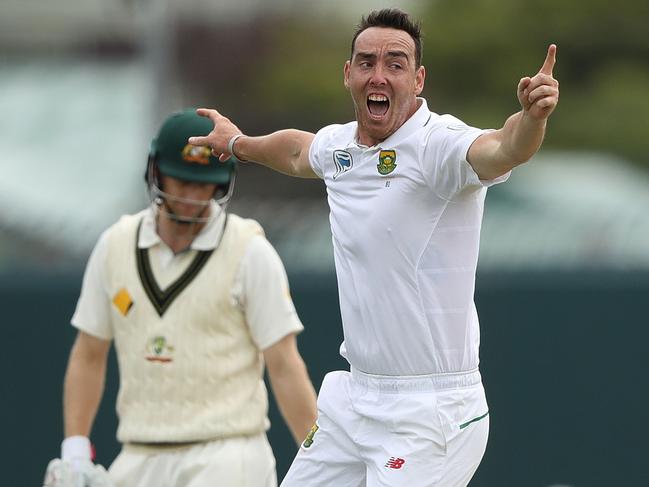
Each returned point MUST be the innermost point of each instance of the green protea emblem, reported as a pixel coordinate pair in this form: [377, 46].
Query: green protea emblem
[387, 162]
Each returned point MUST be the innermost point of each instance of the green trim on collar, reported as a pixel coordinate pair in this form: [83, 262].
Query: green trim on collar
[161, 300]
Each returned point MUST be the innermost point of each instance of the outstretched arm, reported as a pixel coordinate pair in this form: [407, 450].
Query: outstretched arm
[495, 153]
[286, 151]
[291, 385]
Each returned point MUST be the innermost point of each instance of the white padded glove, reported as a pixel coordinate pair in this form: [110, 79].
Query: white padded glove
[75, 467]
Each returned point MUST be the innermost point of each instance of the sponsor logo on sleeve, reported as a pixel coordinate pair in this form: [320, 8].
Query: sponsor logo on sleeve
[343, 162]
[309, 438]
[122, 301]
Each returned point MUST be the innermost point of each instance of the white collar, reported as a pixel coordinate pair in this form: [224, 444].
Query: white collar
[207, 239]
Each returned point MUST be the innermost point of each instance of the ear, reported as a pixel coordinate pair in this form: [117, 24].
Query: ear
[420, 77]
[150, 167]
[346, 73]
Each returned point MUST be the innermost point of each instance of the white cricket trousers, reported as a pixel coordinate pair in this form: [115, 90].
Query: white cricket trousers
[245, 461]
[373, 431]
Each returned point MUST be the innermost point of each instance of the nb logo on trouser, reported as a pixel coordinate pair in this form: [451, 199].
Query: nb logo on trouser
[395, 462]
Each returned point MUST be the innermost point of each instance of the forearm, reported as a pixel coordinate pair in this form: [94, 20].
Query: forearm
[496, 153]
[285, 151]
[82, 392]
[521, 139]
[295, 397]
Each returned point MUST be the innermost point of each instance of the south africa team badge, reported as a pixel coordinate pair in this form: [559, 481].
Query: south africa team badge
[387, 162]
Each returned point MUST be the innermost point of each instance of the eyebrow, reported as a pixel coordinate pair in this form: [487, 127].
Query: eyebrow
[397, 54]
[369, 55]
[365, 55]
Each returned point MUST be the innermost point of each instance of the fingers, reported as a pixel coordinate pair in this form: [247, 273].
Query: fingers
[522, 91]
[208, 113]
[220, 136]
[537, 87]
[539, 94]
[547, 103]
[205, 140]
[550, 59]
[523, 84]
[538, 81]
[542, 92]
[222, 157]
[214, 116]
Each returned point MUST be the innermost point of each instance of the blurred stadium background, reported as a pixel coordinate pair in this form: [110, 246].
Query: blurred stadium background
[564, 269]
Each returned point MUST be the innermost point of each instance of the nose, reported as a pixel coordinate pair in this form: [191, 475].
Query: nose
[378, 76]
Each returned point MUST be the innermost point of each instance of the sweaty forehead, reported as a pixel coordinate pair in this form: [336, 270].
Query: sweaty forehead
[379, 40]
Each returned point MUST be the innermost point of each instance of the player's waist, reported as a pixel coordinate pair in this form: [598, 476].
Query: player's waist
[416, 383]
[171, 446]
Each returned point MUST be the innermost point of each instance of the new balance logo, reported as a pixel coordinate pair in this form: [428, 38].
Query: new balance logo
[395, 462]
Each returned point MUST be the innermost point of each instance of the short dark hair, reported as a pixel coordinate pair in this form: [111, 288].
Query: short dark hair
[395, 19]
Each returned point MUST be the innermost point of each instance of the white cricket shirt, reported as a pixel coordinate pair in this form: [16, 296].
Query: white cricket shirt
[405, 218]
[260, 287]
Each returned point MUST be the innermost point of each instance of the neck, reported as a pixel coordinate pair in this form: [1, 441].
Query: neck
[177, 236]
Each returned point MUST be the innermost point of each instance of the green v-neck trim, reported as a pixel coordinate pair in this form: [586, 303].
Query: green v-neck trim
[161, 300]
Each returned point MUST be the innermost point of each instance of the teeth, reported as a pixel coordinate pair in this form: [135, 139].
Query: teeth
[378, 98]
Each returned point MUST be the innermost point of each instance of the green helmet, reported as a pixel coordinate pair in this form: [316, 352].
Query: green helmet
[175, 157]
[172, 156]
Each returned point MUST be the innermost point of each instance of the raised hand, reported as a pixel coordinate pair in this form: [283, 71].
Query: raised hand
[219, 137]
[539, 94]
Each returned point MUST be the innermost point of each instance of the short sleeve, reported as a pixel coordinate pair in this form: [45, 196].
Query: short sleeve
[264, 294]
[92, 314]
[444, 159]
[316, 151]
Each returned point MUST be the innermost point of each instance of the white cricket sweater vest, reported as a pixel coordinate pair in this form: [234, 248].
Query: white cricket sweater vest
[189, 369]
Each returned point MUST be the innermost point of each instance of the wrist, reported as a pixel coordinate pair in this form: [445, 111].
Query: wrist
[231, 143]
[76, 447]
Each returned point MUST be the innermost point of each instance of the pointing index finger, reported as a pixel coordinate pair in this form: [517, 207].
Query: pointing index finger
[550, 59]
[208, 113]
[199, 141]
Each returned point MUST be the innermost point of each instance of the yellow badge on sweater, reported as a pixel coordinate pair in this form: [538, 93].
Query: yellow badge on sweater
[122, 301]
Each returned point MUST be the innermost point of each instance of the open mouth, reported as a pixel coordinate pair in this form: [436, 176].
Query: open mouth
[378, 105]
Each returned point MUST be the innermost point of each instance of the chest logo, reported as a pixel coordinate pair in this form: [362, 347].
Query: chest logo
[343, 162]
[387, 162]
[122, 301]
[158, 350]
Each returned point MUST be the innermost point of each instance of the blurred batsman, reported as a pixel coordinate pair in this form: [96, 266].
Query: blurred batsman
[197, 302]
[406, 190]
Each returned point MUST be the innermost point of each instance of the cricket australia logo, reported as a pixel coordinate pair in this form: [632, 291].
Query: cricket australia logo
[196, 154]
[387, 162]
[343, 161]
[159, 350]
